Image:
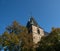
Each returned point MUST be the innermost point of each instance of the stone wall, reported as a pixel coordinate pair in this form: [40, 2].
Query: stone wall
[37, 36]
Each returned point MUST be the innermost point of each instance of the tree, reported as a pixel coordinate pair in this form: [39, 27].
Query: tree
[6, 38]
[15, 27]
[17, 37]
[56, 36]
[50, 42]
[10, 40]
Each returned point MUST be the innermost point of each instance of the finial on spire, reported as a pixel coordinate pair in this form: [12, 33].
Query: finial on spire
[30, 16]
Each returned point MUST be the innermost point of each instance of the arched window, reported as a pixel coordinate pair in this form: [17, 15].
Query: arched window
[38, 31]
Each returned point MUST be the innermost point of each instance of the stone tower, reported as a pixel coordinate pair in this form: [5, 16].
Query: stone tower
[36, 31]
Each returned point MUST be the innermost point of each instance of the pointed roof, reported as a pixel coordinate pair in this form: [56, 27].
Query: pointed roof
[32, 22]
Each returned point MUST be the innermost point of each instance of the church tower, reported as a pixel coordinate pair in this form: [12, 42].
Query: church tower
[36, 31]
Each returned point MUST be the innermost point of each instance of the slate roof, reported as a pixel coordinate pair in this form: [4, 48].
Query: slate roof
[32, 22]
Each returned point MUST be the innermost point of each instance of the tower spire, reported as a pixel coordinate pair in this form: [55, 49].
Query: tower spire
[35, 30]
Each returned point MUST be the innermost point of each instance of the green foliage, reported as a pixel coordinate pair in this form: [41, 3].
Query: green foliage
[6, 38]
[50, 42]
[18, 36]
[16, 33]
[15, 27]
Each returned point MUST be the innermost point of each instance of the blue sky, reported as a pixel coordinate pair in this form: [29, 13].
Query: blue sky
[45, 12]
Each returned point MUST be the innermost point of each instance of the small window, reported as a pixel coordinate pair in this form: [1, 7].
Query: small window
[38, 31]
[30, 30]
